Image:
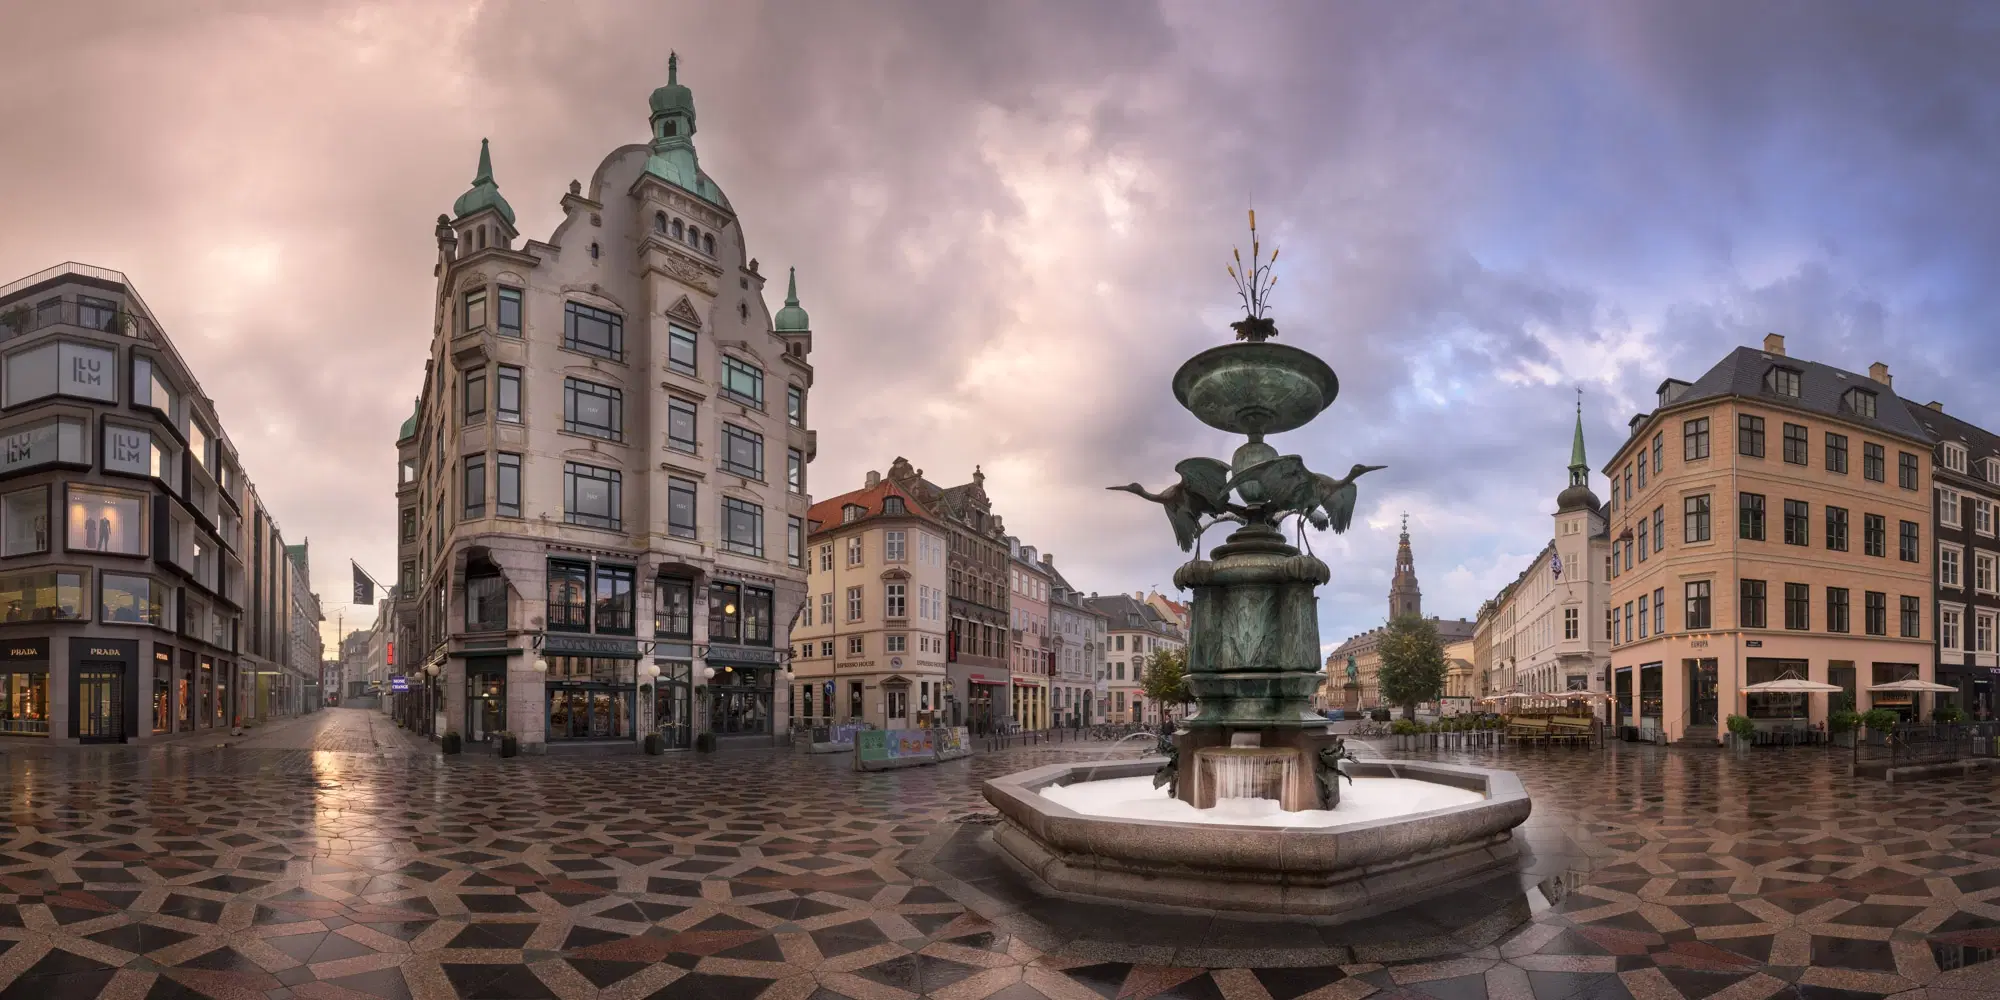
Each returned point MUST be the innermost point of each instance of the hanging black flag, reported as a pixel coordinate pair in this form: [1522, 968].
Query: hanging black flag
[364, 588]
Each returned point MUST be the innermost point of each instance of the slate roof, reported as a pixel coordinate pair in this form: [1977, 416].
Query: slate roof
[1741, 373]
[1979, 442]
[1128, 614]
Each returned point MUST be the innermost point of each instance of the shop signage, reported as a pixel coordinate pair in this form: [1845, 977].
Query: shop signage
[397, 682]
[163, 656]
[107, 652]
[485, 644]
[673, 651]
[390, 659]
[1754, 643]
[741, 654]
[1698, 644]
[557, 644]
[28, 649]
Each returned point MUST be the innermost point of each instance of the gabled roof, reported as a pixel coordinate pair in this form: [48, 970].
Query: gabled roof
[1821, 389]
[829, 514]
[1127, 613]
[1979, 442]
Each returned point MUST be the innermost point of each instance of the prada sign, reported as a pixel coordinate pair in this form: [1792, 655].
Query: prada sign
[23, 650]
[557, 644]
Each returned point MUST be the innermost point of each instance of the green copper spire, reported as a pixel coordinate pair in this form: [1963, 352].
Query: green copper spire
[673, 158]
[1579, 467]
[484, 193]
[792, 319]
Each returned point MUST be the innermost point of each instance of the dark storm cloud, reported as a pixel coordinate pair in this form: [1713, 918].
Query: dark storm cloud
[1010, 222]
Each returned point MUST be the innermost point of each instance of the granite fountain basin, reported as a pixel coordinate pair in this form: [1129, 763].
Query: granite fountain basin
[1342, 869]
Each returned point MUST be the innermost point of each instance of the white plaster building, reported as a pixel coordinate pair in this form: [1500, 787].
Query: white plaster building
[605, 472]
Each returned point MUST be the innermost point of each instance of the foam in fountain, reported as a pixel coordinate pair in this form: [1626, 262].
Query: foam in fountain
[1365, 800]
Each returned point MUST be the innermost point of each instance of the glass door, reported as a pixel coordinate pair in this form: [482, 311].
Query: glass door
[1702, 686]
[485, 706]
[100, 703]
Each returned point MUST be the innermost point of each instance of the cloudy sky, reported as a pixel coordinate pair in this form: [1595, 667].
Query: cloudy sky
[1010, 221]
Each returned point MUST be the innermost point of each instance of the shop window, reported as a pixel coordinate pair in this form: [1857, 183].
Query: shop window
[673, 608]
[757, 611]
[24, 522]
[614, 599]
[133, 600]
[104, 521]
[725, 613]
[42, 597]
[59, 440]
[62, 368]
[569, 596]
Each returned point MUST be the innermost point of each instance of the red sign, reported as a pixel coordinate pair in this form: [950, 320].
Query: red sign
[392, 654]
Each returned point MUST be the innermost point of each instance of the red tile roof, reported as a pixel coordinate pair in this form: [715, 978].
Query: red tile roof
[830, 513]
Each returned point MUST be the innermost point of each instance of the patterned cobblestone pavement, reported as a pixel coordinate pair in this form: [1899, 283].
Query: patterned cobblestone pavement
[332, 858]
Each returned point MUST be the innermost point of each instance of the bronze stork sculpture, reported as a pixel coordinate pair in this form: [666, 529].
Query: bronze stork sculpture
[1333, 499]
[1200, 494]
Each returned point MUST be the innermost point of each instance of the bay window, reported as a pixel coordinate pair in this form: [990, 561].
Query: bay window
[106, 521]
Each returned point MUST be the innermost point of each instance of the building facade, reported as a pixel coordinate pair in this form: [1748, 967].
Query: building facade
[605, 475]
[161, 606]
[979, 678]
[1029, 584]
[1077, 637]
[1966, 470]
[307, 648]
[1560, 640]
[1136, 631]
[871, 638]
[1778, 510]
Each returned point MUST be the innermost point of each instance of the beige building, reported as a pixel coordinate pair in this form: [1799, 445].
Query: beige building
[1770, 519]
[1030, 584]
[871, 638]
[1136, 630]
[603, 487]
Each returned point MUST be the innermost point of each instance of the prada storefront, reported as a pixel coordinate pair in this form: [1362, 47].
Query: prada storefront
[24, 687]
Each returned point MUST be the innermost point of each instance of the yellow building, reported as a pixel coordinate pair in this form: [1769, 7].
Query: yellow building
[871, 638]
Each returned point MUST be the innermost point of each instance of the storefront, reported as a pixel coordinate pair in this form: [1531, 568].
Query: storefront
[485, 697]
[987, 702]
[741, 693]
[163, 689]
[24, 688]
[104, 697]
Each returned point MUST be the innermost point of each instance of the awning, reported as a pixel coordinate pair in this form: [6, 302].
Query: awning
[1915, 686]
[1792, 685]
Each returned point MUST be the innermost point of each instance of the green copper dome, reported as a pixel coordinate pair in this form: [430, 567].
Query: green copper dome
[792, 319]
[673, 98]
[410, 426]
[484, 193]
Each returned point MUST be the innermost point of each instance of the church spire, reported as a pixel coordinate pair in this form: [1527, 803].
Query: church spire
[483, 193]
[1404, 596]
[1579, 467]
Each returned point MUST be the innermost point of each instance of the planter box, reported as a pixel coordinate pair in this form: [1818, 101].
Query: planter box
[510, 746]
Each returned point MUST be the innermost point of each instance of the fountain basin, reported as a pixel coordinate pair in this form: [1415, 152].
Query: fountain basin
[1349, 869]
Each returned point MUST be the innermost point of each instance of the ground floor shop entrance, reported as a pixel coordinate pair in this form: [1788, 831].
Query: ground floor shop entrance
[591, 698]
[100, 703]
[485, 699]
[739, 701]
[673, 701]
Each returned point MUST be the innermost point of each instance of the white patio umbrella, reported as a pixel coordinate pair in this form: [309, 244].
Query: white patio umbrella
[1795, 685]
[1915, 686]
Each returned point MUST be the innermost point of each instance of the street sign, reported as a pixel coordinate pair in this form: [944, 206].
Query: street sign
[397, 682]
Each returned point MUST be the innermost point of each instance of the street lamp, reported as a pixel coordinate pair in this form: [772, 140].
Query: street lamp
[541, 666]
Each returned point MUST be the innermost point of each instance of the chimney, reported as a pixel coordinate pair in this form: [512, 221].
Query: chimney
[1935, 405]
[1048, 560]
[874, 479]
[1880, 373]
[1774, 343]
[1139, 595]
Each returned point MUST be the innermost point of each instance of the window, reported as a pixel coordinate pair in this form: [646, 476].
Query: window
[1795, 444]
[1836, 453]
[854, 551]
[680, 508]
[106, 521]
[1783, 381]
[1659, 448]
[795, 470]
[151, 389]
[1836, 609]
[485, 601]
[1948, 567]
[1875, 612]
[1697, 605]
[673, 608]
[1630, 618]
[1906, 470]
[42, 596]
[1645, 618]
[1912, 618]
[1982, 517]
[1907, 550]
[756, 616]
[894, 600]
[893, 505]
[826, 608]
[1982, 572]
[681, 435]
[614, 599]
[708, 244]
[1874, 535]
[855, 647]
[1859, 401]
[681, 349]
[508, 406]
[408, 579]
[1659, 528]
[1749, 435]
[62, 368]
[1628, 482]
[893, 547]
[131, 600]
[1798, 607]
[742, 452]
[1798, 522]
[593, 331]
[1750, 516]
[509, 315]
[795, 544]
[743, 382]
[725, 617]
[1659, 610]
[409, 525]
[475, 310]
[854, 604]
[1694, 519]
[50, 441]
[473, 487]
[1948, 628]
[1873, 467]
[826, 558]
[1954, 456]
[593, 410]
[795, 406]
[1643, 529]
[742, 527]
[591, 496]
[475, 395]
[1569, 623]
[1751, 605]
[1982, 636]
[1642, 470]
[569, 596]
[1836, 529]
[1694, 439]
[24, 522]
[849, 514]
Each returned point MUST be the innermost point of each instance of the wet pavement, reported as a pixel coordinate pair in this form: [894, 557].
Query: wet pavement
[337, 857]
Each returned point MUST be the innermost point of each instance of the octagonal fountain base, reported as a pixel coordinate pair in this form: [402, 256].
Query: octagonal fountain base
[1335, 868]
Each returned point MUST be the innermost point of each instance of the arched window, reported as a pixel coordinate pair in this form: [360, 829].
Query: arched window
[593, 251]
[479, 238]
[743, 310]
[694, 236]
[677, 229]
[659, 222]
[708, 244]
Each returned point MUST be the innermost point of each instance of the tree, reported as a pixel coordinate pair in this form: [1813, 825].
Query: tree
[1165, 682]
[1413, 664]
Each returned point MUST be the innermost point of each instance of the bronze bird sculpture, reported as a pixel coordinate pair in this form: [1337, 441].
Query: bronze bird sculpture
[1333, 499]
[1199, 494]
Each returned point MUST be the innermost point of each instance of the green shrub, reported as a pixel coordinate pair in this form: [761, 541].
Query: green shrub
[1404, 727]
[1950, 715]
[1741, 727]
[1879, 720]
[1842, 720]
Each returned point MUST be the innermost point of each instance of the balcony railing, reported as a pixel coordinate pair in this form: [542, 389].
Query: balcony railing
[22, 318]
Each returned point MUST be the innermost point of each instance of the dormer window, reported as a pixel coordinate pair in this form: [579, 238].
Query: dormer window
[1783, 381]
[851, 513]
[1992, 470]
[1860, 402]
[894, 505]
[1954, 456]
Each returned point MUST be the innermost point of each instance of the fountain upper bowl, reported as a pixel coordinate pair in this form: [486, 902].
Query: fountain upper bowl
[1255, 387]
